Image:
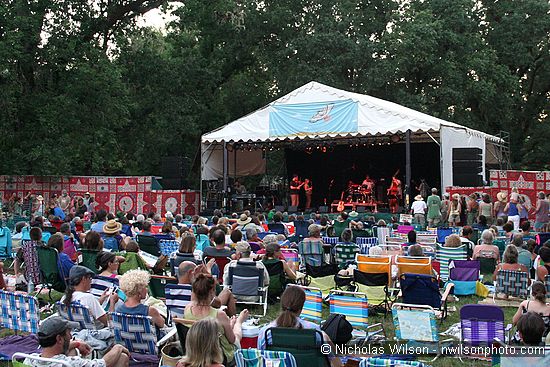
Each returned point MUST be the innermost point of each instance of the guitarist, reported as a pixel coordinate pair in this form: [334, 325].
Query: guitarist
[394, 193]
[295, 186]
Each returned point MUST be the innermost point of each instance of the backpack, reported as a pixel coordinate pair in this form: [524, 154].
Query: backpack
[337, 328]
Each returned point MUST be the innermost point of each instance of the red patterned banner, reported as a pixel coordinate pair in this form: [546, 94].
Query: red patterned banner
[132, 193]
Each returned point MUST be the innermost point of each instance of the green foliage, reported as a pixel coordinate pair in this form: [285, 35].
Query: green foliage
[83, 90]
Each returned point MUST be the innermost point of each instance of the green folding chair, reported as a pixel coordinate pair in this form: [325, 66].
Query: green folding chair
[48, 259]
[89, 257]
[303, 344]
[157, 284]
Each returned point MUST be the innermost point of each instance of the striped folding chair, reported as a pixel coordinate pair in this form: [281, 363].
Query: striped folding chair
[365, 243]
[168, 247]
[331, 240]
[345, 253]
[177, 297]
[382, 233]
[137, 333]
[355, 306]
[291, 254]
[426, 238]
[257, 358]
[447, 254]
[30, 257]
[387, 362]
[77, 313]
[101, 283]
[511, 283]
[312, 252]
[481, 324]
[313, 305]
[19, 312]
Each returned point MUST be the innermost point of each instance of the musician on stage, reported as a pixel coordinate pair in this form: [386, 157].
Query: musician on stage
[239, 188]
[368, 183]
[394, 193]
[308, 188]
[295, 186]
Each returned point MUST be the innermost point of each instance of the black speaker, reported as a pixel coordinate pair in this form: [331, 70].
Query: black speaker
[292, 209]
[361, 209]
[467, 154]
[172, 167]
[467, 167]
[279, 208]
[213, 204]
[173, 183]
[323, 209]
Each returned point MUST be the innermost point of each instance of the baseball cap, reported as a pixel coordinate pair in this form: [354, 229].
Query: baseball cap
[79, 271]
[55, 325]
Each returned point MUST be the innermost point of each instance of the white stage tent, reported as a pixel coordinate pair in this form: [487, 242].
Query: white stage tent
[373, 118]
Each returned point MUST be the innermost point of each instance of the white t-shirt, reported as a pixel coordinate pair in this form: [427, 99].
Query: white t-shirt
[73, 361]
[419, 207]
[90, 301]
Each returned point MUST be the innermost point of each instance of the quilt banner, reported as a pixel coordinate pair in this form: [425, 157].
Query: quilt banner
[337, 117]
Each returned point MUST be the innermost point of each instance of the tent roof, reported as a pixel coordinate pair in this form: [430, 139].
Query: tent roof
[375, 117]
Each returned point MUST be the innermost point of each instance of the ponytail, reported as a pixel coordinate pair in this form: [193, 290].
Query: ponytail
[292, 302]
[538, 291]
[68, 295]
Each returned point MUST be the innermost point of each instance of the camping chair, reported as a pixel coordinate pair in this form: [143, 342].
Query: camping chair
[178, 297]
[464, 274]
[77, 313]
[278, 228]
[446, 254]
[487, 265]
[330, 240]
[148, 244]
[404, 229]
[261, 235]
[382, 233]
[137, 333]
[48, 259]
[45, 361]
[392, 249]
[167, 247]
[313, 305]
[442, 233]
[420, 289]
[426, 239]
[255, 358]
[6, 248]
[89, 257]
[291, 254]
[339, 227]
[176, 261]
[100, 284]
[515, 356]
[355, 306]
[300, 230]
[303, 344]
[416, 326]
[511, 283]
[246, 280]
[345, 254]
[157, 285]
[413, 265]
[30, 258]
[365, 243]
[312, 252]
[481, 324]
[19, 312]
[277, 279]
[202, 242]
[221, 262]
[374, 271]
[389, 362]
[501, 244]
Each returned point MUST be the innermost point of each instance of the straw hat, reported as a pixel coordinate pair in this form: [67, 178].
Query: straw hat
[418, 197]
[456, 196]
[502, 196]
[243, 219]
[112, 227]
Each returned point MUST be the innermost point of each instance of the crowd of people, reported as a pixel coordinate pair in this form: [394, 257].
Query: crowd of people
[205, 293]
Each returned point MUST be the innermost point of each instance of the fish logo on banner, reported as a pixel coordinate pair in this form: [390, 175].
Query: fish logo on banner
[332, 117]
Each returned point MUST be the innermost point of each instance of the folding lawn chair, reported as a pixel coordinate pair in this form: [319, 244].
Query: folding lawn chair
[40, 360]
[221, 262]
[387, 362]
[148, 244]
[374, 272]
[392, 248]
[365, 243]
[261, 235]
[178, 297]
[257, 358]
[303, 344]
[442, 233]
[246, 282]
[158, 283]
[382, 233]
[48, 259]
[30, 258]
[291, 254]
[312, 252]
[355, 306]
[345, 254]
[77, 313]
[420, 289]
[511, 283]
[426, 238]
[464, 274]
[313, 305]
[487, 265]
[89, 258]
[168, 247]
[301, 229]
[416, 326]
[481, 324]
[100, 284]
[278, 228]
[19, 312]
[277, 278]
[404, 229]
[413, 265]
[330, 240]
[446, 254]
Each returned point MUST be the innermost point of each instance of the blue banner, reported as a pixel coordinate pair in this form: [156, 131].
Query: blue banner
[303, 119]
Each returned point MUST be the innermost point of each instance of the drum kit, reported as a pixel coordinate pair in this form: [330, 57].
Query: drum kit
[361, 193]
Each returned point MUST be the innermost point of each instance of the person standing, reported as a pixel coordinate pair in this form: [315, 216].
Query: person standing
[513, 209]
[308, 188]
[486, 208]
[434, 209]
[445, 206]
[418, 210]
[472, 209]
[295, 186]
[65, 201]
[541, 212]
[454, 210]
[500, 204]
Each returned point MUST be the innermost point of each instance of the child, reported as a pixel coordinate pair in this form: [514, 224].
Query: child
[132, 259]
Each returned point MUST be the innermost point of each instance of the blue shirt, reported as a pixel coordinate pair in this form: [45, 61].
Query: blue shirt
[140, 309]
[98, 227]
[59, 213]
[65, 264]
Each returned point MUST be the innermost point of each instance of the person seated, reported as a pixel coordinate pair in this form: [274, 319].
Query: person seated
[186, 251]
[65, 263]
[481, 225]
[416, 251]
[347, 237]
[486, 249]
[107, 263]
[508, 229]
[188, 271]
[543, 268]
[466, 239]
[202, 346]
[314, 241]
[236, 236]
[524, 256]
[343, 221]
[252, 238]
[530, 328]
[271, 238]
[92, 241]
[526, 229]
[219, 249]
[100, 221]
[146, 228]
[69, 246]
[54, 337]
[200, 307]
[166, 232]
[132, 259]
[78, 290]
[242, 255]
[273, 255]
[376, 251]
[510, 261]
[536, 304]
[278, 219]
[411, 239]
[292, 303]
[135, 285]
[35, 235]
[453, 240]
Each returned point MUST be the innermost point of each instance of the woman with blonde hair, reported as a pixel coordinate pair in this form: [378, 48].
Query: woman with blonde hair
[202, 345]
[134, 284]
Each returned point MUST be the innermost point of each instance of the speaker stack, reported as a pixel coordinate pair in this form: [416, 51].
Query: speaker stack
[467, 167]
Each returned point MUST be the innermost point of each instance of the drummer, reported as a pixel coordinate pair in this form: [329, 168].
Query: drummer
[368, 184]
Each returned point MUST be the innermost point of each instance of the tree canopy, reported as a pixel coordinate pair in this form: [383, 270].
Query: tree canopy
[85, 90]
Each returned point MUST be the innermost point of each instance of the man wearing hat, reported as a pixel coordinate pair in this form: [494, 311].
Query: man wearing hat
[54, 337]
[418, 210]
[242, 253]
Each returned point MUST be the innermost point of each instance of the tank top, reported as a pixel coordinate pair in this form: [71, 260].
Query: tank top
[227, 348]
[140, 309]
[454, 209]
[512, 210]
[486, 209]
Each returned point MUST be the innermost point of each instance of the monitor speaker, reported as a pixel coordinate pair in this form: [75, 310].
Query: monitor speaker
[323, 209]
[361, 209]
[292, 209]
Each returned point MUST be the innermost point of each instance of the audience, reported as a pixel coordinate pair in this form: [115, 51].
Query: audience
[536, 304]
[219, 249]
[108, 263]
[202, 346]
[64, 264]
[531, 328]
[486, 249]
[510, 261]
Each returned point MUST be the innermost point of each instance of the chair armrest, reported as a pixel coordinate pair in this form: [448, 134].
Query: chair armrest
[167, 337]
[448, 288]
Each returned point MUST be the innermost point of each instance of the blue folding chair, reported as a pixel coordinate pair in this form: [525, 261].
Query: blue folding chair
[19, 312]
[168, 247]
[77, 313]
[137, 333]
[100, 284]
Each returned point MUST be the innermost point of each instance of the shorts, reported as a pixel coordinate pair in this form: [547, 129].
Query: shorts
[454, 218]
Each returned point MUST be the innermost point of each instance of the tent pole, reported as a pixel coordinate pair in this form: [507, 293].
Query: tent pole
[225, 173]
[407, 168]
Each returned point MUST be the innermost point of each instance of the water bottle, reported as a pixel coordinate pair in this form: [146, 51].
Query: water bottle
[30, 286]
